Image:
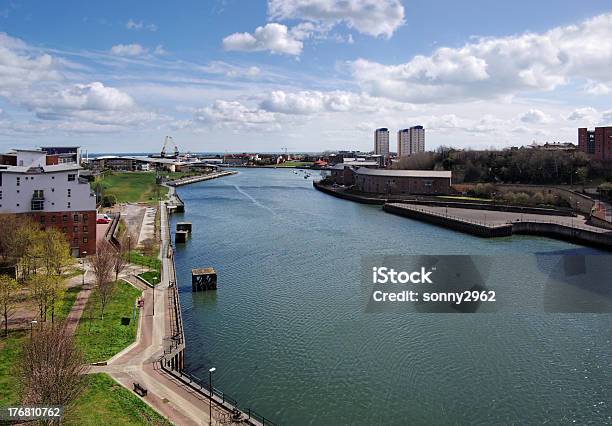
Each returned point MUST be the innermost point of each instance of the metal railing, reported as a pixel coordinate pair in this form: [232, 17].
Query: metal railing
[574, 224]
[203, 388]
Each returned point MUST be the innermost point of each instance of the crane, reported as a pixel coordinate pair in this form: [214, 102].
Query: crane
[167, 139]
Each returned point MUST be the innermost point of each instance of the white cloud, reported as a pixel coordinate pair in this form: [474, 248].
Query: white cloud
[19, 68]
[371, 17]
[159, 50]
[309, 102]
[272, 37]
[229, 70]
[597, 89]
[493, 67]
[234, 114]
[140, 25]
[583, 114]
[133, 49]
[535, 116]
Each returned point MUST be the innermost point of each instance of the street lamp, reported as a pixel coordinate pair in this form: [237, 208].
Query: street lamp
[83, 255]
[210, 373]
[32, 324]
[141, 263]
[154, 279]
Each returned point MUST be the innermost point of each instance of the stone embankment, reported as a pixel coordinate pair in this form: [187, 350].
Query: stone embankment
[502, 224]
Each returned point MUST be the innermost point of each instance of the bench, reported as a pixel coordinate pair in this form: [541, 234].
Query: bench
[139, 389]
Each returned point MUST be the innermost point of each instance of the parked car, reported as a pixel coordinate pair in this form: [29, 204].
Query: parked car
[103, 220]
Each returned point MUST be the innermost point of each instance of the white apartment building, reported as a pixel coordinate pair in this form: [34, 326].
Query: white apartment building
[381, 141]
[35, 184]
[410, 141]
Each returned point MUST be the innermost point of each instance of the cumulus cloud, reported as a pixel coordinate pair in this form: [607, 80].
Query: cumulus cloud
[492, 67]
[133, 49]
[580, 114]
[235, 114]
[597, 89]
[272, 37]
[371, 17]
[535, 116]
[19, 68]
[310, 102]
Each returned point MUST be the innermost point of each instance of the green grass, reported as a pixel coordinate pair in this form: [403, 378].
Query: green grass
[151, 276]
[10, 348]
[150, 262]
[63, 309]
[100, 339]
[105, 401]
[131, 187]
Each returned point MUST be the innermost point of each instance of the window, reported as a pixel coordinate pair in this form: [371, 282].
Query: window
[85, 240]
[75, 218]
[71, 177]
[53, 219]
[65, 218]
[0, 195]
[64, 229]
[17, 204]
[68, 204]
[75, 229]
[85, 228]
[69, 191]
[18, 180]
[39, 193]
[84, 215]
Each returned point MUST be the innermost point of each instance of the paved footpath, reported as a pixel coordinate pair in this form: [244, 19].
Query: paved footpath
[138, 362]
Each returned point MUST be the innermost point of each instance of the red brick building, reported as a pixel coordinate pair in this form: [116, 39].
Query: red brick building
[596, 143]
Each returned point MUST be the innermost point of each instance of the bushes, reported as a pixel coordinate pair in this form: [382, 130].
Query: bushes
[539, 198]
[109, 200]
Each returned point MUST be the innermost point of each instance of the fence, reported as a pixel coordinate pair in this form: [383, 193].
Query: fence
[177, 341]
[203, 387]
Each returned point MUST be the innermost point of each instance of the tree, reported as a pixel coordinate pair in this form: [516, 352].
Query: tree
[56, 293]
[56, 255]
[51, 368]
[102, 266]
[42, 288]
[119, 259]
[8, 293]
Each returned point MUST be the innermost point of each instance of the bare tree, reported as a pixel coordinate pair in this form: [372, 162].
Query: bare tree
[8, 293]
[120, 257]
[102, 263]
[51, 368]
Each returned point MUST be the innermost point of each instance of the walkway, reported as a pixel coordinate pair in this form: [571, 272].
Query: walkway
[138, 363]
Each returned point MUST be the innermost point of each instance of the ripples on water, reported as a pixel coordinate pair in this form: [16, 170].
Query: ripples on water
[289, 337]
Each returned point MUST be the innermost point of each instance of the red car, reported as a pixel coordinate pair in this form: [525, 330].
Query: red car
[102, 220]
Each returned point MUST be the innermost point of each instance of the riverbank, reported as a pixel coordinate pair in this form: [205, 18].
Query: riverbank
[488, 220]
[487, 223]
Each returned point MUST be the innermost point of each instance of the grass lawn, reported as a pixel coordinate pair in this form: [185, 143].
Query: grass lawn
[131, 187]
[10, 348]
[105, 401]
[151, 276]
[150, 262]
[100, 339]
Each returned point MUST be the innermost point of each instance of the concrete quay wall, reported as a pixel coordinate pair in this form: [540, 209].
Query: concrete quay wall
[566, 233]
[458, 224]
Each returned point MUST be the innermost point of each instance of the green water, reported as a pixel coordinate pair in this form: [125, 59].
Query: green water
[289, 336]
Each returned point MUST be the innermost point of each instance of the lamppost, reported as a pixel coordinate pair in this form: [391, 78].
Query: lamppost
[210, 373]
[129, 249]
[141, 263]
[83, 255]
[154, 279]
[32, 324]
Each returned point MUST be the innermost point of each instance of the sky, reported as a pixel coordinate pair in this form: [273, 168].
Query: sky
[305, 75]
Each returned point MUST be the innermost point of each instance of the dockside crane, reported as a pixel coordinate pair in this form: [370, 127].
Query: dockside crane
[167, 140]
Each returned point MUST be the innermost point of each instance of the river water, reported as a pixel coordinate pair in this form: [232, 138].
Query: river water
[289, 335]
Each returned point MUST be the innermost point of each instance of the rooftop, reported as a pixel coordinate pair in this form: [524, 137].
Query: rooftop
[405, 173]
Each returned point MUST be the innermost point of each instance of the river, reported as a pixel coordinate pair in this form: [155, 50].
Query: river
[289, 336]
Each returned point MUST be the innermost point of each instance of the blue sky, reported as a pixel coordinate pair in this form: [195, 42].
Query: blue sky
[310, 75]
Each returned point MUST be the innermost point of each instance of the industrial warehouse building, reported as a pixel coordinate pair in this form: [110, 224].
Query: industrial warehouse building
[390, 182]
